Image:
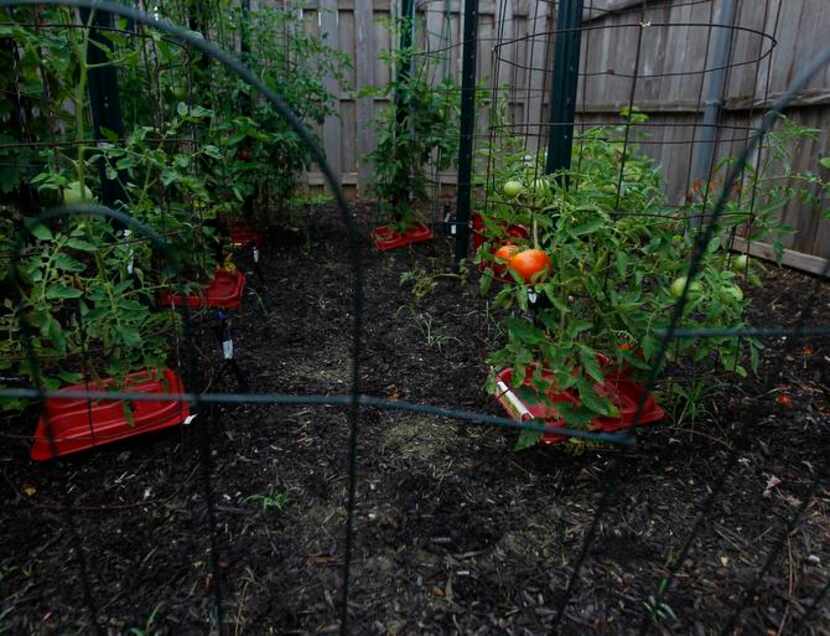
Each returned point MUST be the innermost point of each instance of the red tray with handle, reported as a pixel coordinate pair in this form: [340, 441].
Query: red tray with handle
[243, 235]
[524, 403]
[223, 292]
[386, 238]
[78, 424]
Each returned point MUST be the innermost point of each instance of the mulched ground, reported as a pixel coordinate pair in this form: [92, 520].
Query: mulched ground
[454, 532]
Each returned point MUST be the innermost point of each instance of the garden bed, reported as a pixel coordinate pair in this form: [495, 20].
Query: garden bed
[454, 531]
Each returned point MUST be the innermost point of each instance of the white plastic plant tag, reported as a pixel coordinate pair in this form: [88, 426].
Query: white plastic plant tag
[512, 403]
[452, 229]
[532, 296]
[227, 349]
[256, 254]
[130, 252]
[189, 419]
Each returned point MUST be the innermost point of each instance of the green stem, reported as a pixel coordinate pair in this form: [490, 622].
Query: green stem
[80, 100]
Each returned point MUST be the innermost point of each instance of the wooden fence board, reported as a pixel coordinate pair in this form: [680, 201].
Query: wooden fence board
[608, 52]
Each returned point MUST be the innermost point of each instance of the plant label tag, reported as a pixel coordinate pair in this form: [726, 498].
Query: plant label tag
[532, 296]
[227, 349]
[189, 419]
[511, 403]
[130, 252]
[452, 229]
[256, 254]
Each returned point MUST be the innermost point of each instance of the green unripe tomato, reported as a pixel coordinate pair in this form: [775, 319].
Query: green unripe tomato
[512, 188]
[73, 194]
[679, 285]
[741, 262]
[734, 291]
[179, 91]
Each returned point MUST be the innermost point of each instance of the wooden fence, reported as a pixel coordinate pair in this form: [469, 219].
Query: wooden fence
[774, 39]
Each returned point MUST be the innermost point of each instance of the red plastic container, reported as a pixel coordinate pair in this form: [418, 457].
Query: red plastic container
[524, 404]
[223, 292]
[243, 235]
[386, 238]
[78, 425]
[509, 230]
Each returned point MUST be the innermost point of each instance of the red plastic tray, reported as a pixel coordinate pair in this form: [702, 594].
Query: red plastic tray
[78, 425]
[524, 404]
[242, 235]
[223, 292]
[385, 238]
[510, 230]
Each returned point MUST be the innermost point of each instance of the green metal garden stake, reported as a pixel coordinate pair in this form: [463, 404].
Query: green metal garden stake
[465, 146]
[404, 72]
[105, 103]
[564, 85]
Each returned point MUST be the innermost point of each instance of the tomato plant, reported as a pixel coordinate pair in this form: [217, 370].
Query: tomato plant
[618, 259]
[196, 146]
[419, 131]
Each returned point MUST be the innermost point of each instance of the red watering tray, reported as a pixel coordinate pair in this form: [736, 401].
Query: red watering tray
[78, 424]
[524, 404]
[243, 234]
[509, 230]
[223, 292]
[386, 238]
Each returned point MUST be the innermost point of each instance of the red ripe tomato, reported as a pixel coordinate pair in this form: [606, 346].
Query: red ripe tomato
[506, 252]
[244, 154]
[784, 400]
[531, 265]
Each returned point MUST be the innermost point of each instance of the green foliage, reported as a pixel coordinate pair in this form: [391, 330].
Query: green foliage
[419, 129]
[617, 246]
[197, 146]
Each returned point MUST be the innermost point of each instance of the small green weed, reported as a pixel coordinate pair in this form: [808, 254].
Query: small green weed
[278, 500]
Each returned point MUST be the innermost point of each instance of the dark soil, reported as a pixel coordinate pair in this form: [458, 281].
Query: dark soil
[454, 532]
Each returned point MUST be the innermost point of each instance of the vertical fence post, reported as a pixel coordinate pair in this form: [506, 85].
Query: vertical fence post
[564, 84]
[465, 146]
[705, 150]
[104, 99]
[405, 70]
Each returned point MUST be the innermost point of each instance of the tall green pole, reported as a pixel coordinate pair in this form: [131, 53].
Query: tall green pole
[404, 72]
[465, 146]
[247, 103]
[564, 85]
[104, 99]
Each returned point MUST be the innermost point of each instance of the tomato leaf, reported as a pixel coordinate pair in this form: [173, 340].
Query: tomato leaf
[82, 245]
[527, 439]
[40, 231]
[62, 292]
[68, 264]
[591, 400]
[588, 227]
[588, 358]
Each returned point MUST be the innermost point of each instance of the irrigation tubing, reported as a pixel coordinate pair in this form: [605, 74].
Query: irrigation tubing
[622, 439]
